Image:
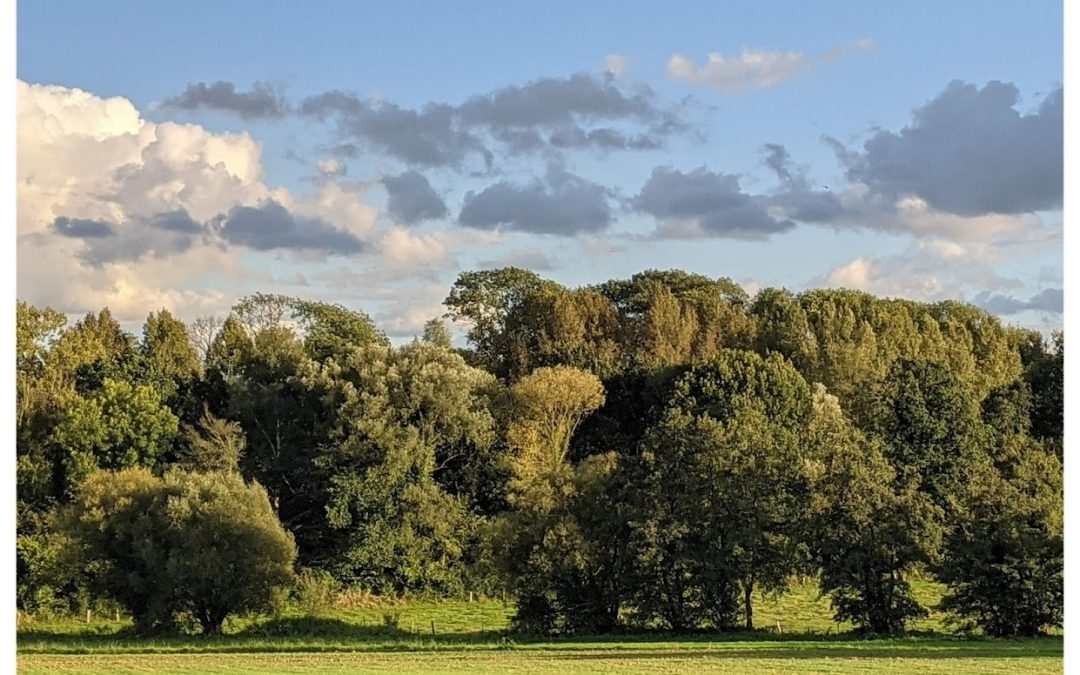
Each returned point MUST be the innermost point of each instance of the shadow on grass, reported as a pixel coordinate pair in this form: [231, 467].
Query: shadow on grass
[327, 635]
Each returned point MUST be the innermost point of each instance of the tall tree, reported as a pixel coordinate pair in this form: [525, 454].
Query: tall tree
[167, 343]
[867, 531]
[482, 300]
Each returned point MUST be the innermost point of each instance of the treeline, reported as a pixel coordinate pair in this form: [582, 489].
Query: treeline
[647, 451]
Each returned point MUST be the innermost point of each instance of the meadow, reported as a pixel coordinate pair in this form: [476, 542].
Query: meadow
[796, 635]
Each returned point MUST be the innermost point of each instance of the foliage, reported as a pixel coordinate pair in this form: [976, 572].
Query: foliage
[167, 344]
[642, 451]
[867, 531]
[928, 419]
[404, 418]
[207, 544]
[1003, 561]
[214, 444]
[120, 426]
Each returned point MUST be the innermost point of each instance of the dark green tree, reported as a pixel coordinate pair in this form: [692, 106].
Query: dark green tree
[867, 531]
[1003, 559]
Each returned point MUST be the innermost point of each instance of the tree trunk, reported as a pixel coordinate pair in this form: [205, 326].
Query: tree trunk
[748, 607]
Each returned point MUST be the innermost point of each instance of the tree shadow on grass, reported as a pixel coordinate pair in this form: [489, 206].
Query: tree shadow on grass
[330, 634]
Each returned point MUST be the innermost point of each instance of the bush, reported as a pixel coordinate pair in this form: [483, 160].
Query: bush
[316, 591]
[206, 544]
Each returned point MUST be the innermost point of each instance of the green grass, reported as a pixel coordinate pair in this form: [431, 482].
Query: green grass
[474, 637]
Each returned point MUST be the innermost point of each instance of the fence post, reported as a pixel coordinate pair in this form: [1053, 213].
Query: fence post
[432, 628]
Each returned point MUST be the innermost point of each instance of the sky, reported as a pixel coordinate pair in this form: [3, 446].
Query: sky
[183, 155]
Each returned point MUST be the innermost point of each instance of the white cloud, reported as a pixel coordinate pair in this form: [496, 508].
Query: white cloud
[86, 158]
[928, 270]
[754, 69]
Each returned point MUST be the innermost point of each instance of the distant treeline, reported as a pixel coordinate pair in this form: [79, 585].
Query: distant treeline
[647, 451]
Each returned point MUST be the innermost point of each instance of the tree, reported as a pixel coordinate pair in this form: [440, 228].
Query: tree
[1003, 559]
[553, 326]
[120, 426]
[562, 547]
[1044, 372]
[567, 565]
[286, 418]
[204, 543]
[672, 318]
[867, 532]
[436, 333]
[328, 330]
[722, 488]
[167, 343]
[406, 423]
[482, 300]
[203, 331]
[230, 348]
[552, 403]
[783, 327]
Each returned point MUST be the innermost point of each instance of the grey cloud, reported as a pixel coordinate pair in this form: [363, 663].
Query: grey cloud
[970, 152]
[428, 137]
[1050, 300]
[552, 102]
[81, 228]
[797, 199]
[411, 198]
[543, 114]
[159, 235]
[263, 101]
[604, 138]
[562, 204]
[176, 221]
[268, 226]
[713, 201]
[271, 226]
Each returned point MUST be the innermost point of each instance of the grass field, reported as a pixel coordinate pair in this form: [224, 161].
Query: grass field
[473, 637]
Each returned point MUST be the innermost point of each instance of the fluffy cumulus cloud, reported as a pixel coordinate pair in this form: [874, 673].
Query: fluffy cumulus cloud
[970, 152]
[115, 209]
[263, 101]
[561, 204]
[754, 69]
[968, 167]
[928, 270]
[705, 203]
[411, 199]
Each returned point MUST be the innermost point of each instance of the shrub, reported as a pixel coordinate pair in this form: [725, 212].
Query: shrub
[316, 591]
[206, 544]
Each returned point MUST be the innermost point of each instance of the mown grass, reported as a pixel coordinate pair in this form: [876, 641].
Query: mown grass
[475, 637]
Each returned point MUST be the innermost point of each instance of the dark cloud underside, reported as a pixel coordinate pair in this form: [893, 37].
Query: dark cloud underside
[411, 199]
[263, 101]
[271, 226]
[970, 152]
[562, 204]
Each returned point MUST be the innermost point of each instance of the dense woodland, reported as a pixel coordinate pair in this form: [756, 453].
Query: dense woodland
[647, 452]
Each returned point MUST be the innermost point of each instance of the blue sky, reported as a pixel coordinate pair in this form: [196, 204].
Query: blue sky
[962, 205]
